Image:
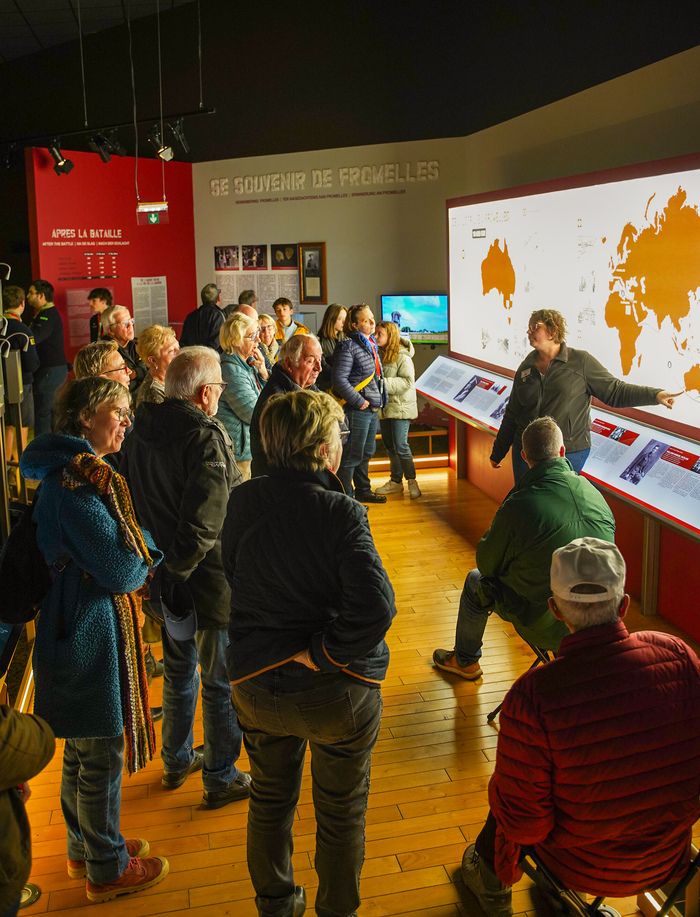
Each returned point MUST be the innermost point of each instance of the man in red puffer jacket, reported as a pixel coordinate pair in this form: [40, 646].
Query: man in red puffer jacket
[598, 762]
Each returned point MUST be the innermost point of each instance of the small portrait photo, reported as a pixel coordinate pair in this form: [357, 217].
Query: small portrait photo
[312, 262]
[644, 462]
[226, 258]
[254, 257]
[284, 256]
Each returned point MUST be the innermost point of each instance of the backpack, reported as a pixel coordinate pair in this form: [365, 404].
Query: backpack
[25, 577]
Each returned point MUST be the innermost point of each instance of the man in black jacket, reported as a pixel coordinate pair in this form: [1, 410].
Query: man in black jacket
[48, 336]
[99, 299]
[298, 365]
[180, 467]
[201, 327]
[21, 338]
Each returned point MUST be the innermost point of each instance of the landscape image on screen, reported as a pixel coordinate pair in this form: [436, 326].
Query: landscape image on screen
[420, 316]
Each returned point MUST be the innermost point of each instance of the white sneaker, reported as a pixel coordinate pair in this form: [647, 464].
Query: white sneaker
[391, 487]
[413, 489]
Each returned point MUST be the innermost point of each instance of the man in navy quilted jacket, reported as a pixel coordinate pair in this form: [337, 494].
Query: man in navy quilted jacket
[598, 761]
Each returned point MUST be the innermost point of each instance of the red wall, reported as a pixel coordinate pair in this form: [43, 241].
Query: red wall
[679, 564]
[67, 213]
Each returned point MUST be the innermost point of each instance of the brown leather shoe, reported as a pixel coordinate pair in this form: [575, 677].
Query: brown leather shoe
[138, 875]
[136, 846]
[447, 661]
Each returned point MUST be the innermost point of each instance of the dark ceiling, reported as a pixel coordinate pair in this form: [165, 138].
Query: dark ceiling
[285, 77]
[30, 26]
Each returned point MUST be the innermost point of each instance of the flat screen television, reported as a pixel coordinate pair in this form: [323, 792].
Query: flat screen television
[420, 316]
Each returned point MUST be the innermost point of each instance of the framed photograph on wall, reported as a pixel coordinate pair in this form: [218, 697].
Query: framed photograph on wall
[284, 256]
[312, 273]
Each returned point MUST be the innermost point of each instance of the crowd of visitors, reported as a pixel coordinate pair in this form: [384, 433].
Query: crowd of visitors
[253, 441]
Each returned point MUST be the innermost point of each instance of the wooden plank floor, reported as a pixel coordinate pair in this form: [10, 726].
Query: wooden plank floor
[431, 765]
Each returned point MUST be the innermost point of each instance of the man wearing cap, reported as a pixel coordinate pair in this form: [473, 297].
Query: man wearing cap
[550, 506]
[201, 327]
[180, 467]
[598, 758]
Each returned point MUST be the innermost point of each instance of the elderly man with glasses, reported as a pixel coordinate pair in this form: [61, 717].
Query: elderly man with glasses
[118, 325]
[180, 466]
[298, 366]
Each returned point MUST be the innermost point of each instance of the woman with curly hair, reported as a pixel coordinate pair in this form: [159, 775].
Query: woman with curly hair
[157, 346]
[558, 381]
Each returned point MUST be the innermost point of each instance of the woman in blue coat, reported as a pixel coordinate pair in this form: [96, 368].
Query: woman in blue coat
[359, 384]
[91, 684]
[244, 372]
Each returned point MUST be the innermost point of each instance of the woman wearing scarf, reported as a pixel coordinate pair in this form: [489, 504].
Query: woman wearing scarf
[91, 684]
[359, 385]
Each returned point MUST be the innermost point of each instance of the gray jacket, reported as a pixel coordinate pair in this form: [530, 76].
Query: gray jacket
[564, 393]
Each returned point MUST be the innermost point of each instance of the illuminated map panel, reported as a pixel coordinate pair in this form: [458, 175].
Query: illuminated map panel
[619, 256]
[656, 471]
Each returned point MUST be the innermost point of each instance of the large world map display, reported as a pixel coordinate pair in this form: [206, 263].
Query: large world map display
[620, 260]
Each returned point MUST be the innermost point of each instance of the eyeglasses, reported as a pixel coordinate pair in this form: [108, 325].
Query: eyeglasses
[117, 369]
[533, 328]
[222, 385]
[126, 321]
[124, 414]
[252, 337]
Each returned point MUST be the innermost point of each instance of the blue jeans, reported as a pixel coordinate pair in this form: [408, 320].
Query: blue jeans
[339, 718]
[480, 596]
[395, 439]
[357, 451]
[475, 605]
[46, 381]
[577, 459]
[222, 735]
[91, 795]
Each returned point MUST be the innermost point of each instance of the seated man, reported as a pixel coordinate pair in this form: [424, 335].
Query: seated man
[598, 761]
[550, 507]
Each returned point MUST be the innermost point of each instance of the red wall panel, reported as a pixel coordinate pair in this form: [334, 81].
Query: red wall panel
[84, 233]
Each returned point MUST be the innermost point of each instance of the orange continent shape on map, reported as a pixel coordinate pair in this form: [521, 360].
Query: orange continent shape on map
[497, 273]
[629, 326]
[692, 379]
[658, 268]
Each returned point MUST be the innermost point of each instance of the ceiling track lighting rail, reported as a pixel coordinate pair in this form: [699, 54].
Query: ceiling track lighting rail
[44, 139]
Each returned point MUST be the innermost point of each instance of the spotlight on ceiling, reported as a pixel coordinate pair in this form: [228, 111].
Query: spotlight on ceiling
[164, 151]
[106, 144]
[101, 145]
[177, 128]
[62, 166]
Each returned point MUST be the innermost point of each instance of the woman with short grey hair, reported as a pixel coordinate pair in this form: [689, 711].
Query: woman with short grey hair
[306, 650]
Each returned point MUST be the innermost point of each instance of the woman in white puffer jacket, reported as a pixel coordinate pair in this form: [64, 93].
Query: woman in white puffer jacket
[395, 419]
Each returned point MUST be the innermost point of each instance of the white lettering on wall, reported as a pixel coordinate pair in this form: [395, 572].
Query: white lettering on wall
[354, 176]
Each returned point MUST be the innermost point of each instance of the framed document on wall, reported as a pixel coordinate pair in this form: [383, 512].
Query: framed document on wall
[312, 273]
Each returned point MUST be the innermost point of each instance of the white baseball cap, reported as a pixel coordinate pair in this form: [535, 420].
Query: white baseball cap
[588, 562]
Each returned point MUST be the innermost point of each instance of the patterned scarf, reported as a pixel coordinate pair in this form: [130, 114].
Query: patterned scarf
[112, 488]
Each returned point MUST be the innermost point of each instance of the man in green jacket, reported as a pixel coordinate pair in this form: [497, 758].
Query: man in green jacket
[26, 747]
[550, 507]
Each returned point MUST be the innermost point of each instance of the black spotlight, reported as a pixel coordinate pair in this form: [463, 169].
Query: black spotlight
[177, 128]
[164, 151]
[100, 144]
[62, 166]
